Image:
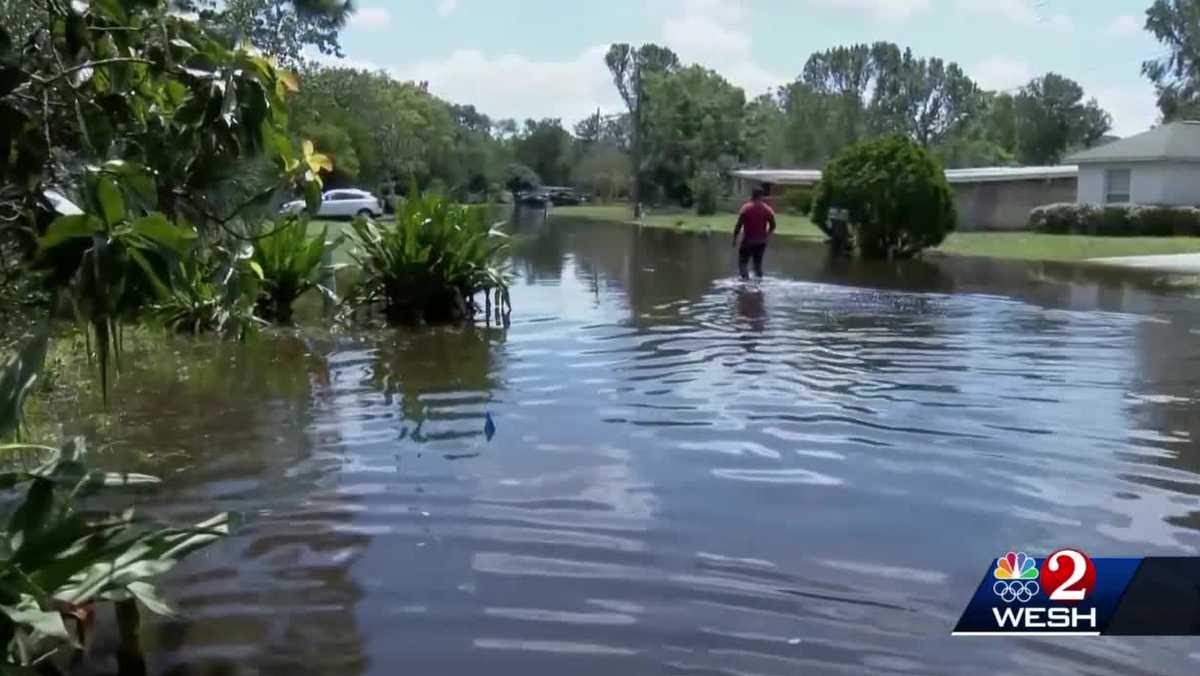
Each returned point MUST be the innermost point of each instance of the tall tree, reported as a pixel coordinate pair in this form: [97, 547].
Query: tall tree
[692, 119]
[764, 133]
[1176, 76]
[284, 29]
[545, 147]
[1053, 118]
[629, 68]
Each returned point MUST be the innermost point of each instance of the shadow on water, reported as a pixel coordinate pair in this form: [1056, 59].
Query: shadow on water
[689, 475]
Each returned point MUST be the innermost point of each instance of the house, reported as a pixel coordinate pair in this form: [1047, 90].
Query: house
[1161, 166]
[987, 198]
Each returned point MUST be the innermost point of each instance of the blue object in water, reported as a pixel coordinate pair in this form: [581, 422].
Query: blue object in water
[489, 427]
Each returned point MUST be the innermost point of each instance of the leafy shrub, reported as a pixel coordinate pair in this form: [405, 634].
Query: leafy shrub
[430, 263]
[211, 296]
[290, 263]
[62, 560]
[1116, 220]
[706, 188]
[797, 200]
[895, 194]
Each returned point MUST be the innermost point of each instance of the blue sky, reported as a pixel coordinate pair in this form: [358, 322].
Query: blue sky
[544, 58]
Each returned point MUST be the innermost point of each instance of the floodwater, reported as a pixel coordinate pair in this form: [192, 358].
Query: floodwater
[688, 475]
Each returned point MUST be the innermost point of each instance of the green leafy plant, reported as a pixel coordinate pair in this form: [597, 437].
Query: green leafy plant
[429, 264]
[895, 194]
[108, 262]
[706, 188]
[214, 294]
[291, 264]
[59, 560]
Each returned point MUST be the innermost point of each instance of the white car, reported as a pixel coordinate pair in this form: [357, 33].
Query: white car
[344, 203]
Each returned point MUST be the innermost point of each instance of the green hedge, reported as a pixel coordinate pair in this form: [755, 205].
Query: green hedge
[1125, 220]
[796, 200]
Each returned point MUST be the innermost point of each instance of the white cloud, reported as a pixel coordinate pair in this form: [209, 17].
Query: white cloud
[888, 10]
[371, 18]
[1126, 24]
[716, 35]
[1023, 12]
[446, 7]
[1134, 108]
[999, 73]
[511, 85]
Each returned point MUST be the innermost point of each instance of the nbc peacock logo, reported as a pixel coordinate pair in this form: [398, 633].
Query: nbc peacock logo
[1016, 577]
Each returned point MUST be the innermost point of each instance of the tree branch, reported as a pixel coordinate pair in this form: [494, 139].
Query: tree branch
[90, 64]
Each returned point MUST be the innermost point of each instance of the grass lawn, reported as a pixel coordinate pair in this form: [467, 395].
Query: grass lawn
[1024, 245]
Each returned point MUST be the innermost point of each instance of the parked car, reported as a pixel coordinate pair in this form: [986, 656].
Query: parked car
[342, 203]
[565, 197]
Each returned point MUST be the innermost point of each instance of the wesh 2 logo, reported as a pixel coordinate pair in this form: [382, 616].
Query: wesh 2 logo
[1023, 595]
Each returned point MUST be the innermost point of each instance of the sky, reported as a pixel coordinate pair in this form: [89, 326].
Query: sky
[545, 58]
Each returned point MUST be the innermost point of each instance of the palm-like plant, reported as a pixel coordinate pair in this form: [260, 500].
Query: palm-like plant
[431, 263]
[291, 264]
[211, 296]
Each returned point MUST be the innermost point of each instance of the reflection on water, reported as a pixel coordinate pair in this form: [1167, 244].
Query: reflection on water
[690, 475]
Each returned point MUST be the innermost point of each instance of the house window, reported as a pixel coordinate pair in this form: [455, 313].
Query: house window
[1117, 182]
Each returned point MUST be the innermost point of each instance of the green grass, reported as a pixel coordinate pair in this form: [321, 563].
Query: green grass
[1022, 245]
[792, 226]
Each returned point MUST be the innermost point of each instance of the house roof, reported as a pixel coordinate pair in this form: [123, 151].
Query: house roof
[973, 175]
[1176, 141]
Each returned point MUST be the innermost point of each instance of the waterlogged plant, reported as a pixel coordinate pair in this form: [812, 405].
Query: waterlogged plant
[431, 264]
[211, 295]
[58, 560]
[291, 264]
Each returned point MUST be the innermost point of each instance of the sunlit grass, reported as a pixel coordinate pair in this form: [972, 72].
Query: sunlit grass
[1022, 245]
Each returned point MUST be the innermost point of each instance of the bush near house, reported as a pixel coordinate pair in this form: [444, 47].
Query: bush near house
[895, 194]
[1116, 220]
[797, 201]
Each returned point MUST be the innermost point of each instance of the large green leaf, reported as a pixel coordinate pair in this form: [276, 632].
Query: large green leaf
[110, 201]
[156, 228]
[19, 373]
[67, 228]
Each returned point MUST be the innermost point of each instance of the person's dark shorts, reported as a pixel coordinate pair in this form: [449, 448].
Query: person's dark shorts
[748, 253]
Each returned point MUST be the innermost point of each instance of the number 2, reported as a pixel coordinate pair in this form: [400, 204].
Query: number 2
[1078, 570]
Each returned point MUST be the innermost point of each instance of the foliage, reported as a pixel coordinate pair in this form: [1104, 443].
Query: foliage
[519, 178]
[1176, 75]
[603, 171]
[431, 263]
[212, 294]
[895, 193]
[397, 131]
[706, 188]
[108, 262]
[629, 68]
[1116, 220]
[283, 29]
[1052, 118]
[545, 147]
[797, 200]
[57, 559]
[691, 119]
[291, 264]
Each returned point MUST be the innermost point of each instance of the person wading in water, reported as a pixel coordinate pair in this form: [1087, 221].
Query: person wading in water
[755, 224]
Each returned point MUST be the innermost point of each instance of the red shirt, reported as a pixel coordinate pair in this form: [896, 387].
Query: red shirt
[758, 220]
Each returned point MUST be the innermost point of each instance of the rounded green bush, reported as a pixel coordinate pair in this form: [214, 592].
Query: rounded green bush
[895, 194]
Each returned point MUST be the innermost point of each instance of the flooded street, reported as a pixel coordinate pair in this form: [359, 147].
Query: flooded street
[689, 475]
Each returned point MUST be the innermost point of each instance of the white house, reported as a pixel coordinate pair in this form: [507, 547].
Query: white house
[1161, 166]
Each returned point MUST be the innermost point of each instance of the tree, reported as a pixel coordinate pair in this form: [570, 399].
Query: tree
[21, 17]
[629, 68]
[1176, 76]
[603, 170]
[765, 133]
[692, 118]
[1052, 118]
[545, 147]
[895, 193]
[519, 178]
[284, 29]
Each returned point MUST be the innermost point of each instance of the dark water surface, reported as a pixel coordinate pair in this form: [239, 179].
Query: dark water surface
[688, 476]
